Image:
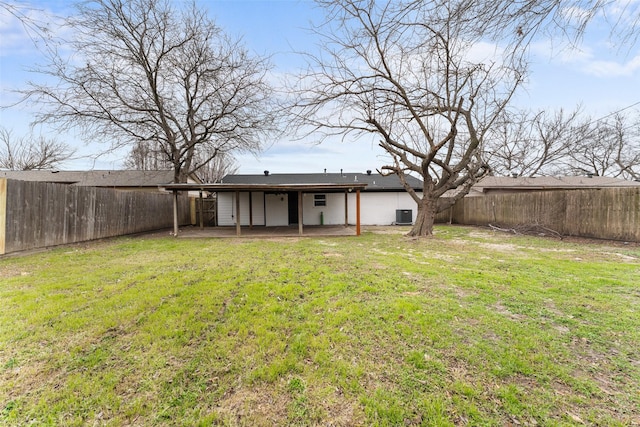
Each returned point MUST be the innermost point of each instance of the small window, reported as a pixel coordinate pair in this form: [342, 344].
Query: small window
[319, 200]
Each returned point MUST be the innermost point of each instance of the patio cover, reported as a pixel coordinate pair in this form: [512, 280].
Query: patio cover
[237, 188]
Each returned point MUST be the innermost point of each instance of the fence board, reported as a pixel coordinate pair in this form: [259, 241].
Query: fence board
[41, 214]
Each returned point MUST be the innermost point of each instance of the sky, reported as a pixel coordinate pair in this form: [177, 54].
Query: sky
[599, 76]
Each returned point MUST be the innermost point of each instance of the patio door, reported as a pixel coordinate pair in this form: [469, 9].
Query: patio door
[293, 207]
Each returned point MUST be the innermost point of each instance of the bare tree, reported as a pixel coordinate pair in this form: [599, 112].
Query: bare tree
[527, 143]
[412, 75]
[147, 155]
[210, 167]
[501, 20]
[541, 143]
[37, 30]
[627, 156]
[31, 152]
[223, 164]
[147, 73]
[610, 148]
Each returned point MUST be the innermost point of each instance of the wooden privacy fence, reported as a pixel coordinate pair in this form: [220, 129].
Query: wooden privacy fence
[40, 214]
[607, 213]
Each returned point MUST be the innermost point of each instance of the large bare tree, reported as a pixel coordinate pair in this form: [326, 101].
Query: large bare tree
[421, 79]
[146, 72]
[559, 143]
[212, 167]
[31, 152]
[611, 147]
[431, 79]
[535, 143]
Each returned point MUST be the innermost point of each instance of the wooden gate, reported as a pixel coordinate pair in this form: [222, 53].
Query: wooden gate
[208, 209]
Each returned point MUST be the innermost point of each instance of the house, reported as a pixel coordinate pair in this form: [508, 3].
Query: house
[327, 199]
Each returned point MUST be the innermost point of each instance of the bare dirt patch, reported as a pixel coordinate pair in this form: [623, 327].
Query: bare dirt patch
[8, 272]
[332, 255]
[257, 406]
[499, 308]
[626, 258]
[500, 247]
[387, 229]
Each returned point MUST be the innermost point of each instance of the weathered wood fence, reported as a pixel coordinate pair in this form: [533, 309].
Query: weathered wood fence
[607, 213]
[39, 214]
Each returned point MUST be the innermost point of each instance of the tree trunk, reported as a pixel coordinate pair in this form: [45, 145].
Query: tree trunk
[423, 225]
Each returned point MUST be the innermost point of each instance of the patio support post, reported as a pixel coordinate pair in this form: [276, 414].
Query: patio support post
[250, 211]
[237, 213]
[201, 210]
[346, 208]
[300, 213]
[357, 212]
[175, 213]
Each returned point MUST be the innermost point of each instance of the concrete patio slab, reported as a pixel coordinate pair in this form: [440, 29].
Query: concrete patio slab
[261, 231]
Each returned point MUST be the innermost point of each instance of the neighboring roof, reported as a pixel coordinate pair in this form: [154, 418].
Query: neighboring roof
[95, 178]
[550, 183]
[374, 181]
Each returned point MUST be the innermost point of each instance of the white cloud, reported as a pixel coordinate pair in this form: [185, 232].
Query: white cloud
[597, 58]
[484, 52]
[622, 12]
[612, 68]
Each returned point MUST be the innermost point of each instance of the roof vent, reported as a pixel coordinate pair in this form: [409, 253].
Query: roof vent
[266, 173]
[589, 175]
[368, 171]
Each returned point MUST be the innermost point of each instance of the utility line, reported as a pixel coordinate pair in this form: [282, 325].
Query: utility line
[616, 112]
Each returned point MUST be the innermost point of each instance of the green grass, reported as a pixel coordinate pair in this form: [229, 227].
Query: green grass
[467, 328]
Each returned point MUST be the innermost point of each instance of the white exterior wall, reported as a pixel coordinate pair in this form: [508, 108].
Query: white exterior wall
[277, 207]
[333, 213]
[380, 208]
[227, 208]
[375, 208]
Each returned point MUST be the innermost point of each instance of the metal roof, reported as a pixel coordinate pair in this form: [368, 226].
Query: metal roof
[373, 181]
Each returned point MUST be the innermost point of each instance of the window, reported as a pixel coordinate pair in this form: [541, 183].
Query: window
[319, 200]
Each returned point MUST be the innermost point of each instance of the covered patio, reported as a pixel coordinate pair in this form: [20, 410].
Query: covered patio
[250, 188]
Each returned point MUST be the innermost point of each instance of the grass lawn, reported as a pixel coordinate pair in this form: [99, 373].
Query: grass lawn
[467, 328]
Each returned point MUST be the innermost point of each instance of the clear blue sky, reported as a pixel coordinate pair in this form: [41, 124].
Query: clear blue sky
[601, 77]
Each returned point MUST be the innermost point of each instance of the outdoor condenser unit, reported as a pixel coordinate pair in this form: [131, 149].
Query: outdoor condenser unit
[404, 217]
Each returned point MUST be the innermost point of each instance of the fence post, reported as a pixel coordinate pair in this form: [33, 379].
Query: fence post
[3, 214]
